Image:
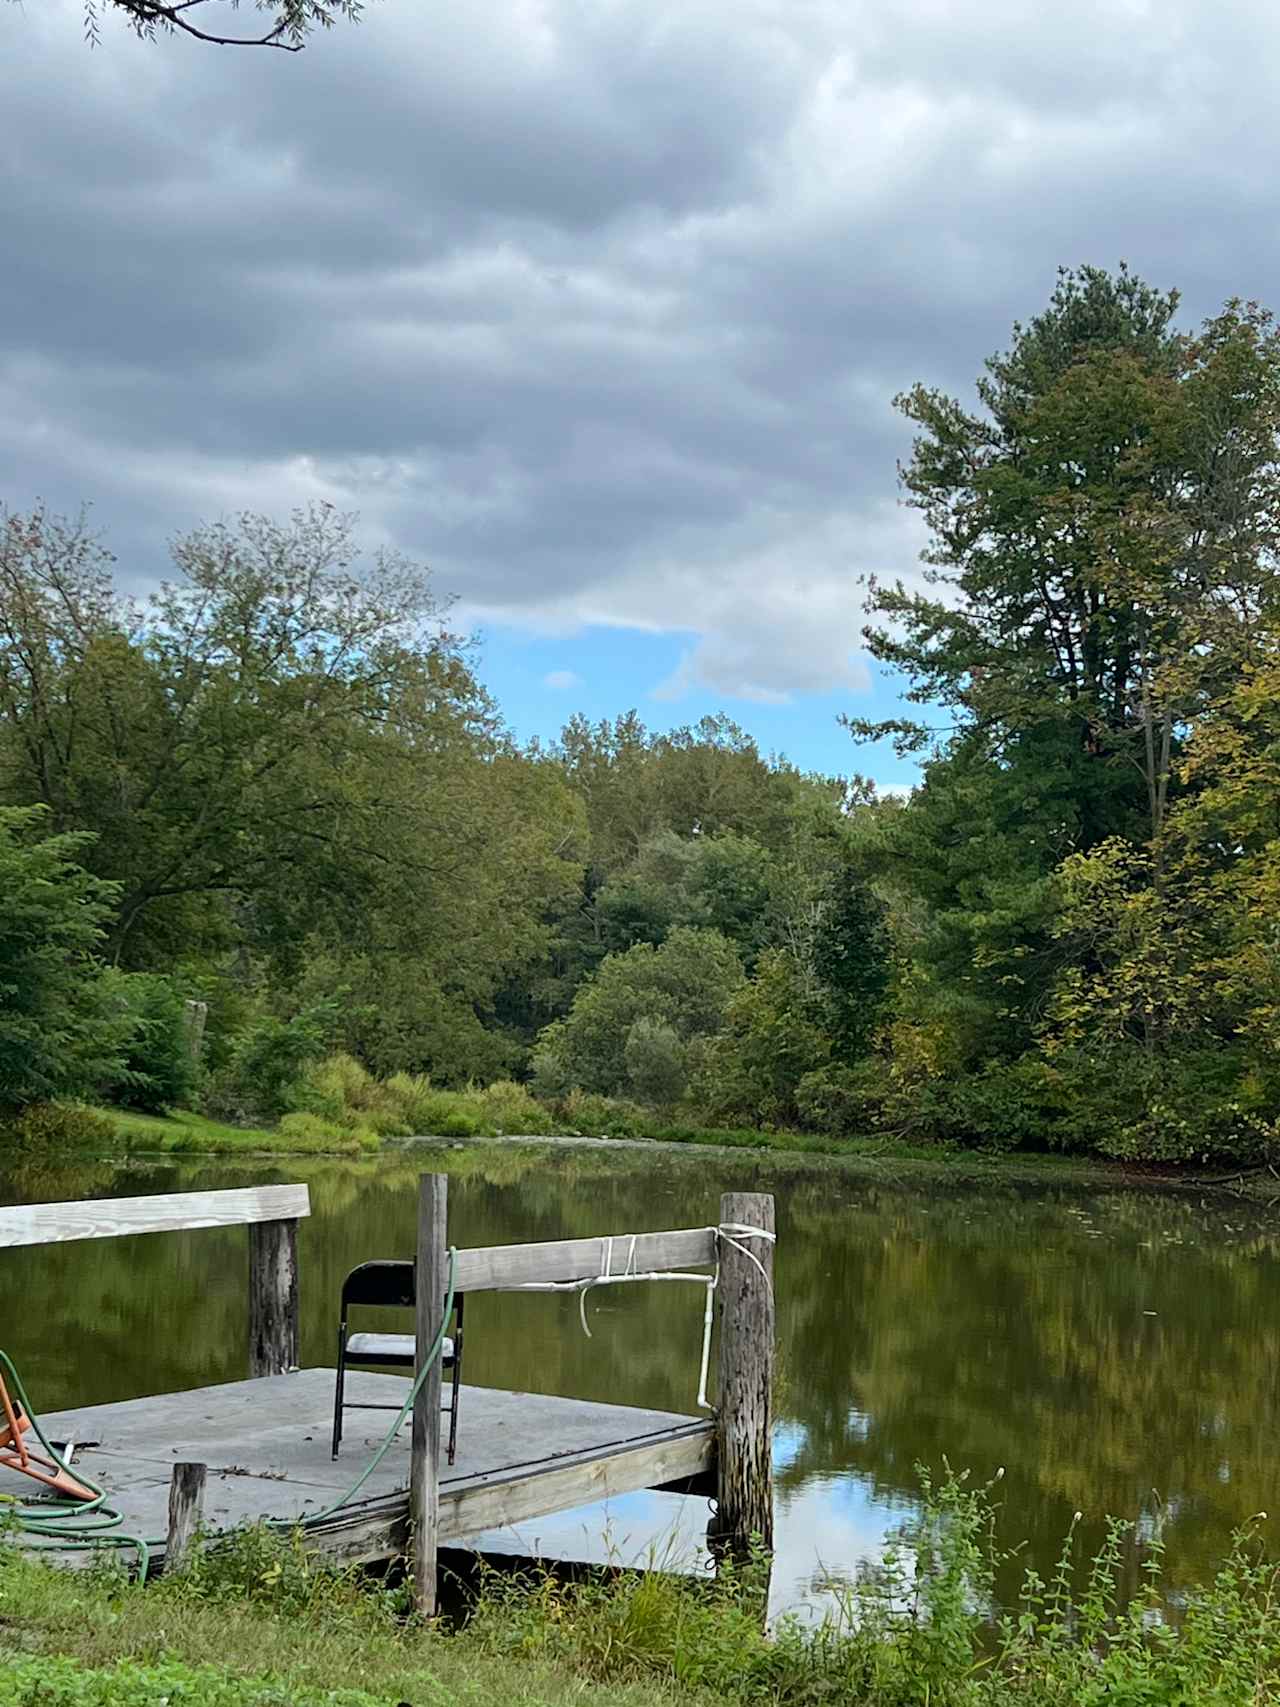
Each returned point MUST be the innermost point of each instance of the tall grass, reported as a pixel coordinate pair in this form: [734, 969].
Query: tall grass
[337, 1099]
[338, 1096]
[918, 1628]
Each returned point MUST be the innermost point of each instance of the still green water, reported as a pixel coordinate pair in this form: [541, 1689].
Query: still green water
[1113, 1351]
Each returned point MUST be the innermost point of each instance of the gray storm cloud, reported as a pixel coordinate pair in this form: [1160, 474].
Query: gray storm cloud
[598, 308]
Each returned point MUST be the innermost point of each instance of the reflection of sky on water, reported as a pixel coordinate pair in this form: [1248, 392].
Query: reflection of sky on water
[823, 1529]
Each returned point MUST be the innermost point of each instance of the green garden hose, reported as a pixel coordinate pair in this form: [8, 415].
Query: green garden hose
[73, 1525]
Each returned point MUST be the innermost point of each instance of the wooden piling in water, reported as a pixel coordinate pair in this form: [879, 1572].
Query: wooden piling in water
[186, 1506]
[430, 1286]
[745, 1476]
[273, 1297]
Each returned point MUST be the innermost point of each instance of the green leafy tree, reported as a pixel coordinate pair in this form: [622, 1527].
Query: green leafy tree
[60, 1033]
[657, 891]
[288, 765]
[723, 882]
[853, 961]
[772, 1040]
[684, 986]
[734, 888]
[271, 1053]
[655, 1061]
[1111, 506]
[235, 743]
[1103, 547]
[1173, 983]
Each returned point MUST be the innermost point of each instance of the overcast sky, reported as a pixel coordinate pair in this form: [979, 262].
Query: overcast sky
[596, 306]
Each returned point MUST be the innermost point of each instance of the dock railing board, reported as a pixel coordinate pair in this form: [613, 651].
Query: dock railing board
[498, 1267]
[271, 1213]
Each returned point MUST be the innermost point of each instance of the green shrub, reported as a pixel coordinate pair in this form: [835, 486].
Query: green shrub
[304, 1124]
[157, 1071]
[602, 1117]
[47, 1128]
[441, 1114]
[844, 1102]
[341, 1090]
[267, 1060]
[303, 1128]
[509, 1109]
[1003, 1106]
[330, 1088]
[1196, 1106]
[456, 1123]
[412, 1094]
[340, 1093]
[1120, 1101]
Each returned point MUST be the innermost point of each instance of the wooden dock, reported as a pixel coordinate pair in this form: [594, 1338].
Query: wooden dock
[210, 1460]
[265, 1444]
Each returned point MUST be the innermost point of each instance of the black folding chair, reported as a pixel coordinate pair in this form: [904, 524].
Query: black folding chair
[389, 1285]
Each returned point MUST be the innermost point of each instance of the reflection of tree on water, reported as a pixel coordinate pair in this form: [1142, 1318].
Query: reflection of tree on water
[1000, 1328]
[992, 1325]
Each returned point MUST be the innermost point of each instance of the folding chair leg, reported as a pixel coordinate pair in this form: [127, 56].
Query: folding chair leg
[457, 1383]
[339, 1390]
[453, 1417]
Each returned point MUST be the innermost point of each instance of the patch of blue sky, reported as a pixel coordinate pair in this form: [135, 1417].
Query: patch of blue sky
[540, 680]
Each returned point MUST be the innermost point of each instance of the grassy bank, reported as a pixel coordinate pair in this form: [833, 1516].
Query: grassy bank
[182, 1131]
[260, 1626]
[185, 1133]
[277, 1637]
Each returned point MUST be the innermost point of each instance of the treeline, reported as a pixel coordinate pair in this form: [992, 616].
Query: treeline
[277, 788]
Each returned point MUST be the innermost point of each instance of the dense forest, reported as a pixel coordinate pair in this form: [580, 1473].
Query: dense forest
[278, 788]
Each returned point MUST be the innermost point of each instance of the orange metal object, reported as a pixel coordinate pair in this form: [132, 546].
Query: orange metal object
[16, 1455]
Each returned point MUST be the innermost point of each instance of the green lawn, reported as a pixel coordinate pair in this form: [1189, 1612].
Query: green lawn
[181, 1131]
[71, 1639]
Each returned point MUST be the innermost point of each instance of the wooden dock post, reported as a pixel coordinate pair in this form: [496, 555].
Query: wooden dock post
[430, 1285]
[745, 1476]
[186, 1505]
[273, 1297]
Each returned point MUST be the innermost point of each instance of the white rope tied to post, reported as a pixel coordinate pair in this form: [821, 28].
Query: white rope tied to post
[728, 1232]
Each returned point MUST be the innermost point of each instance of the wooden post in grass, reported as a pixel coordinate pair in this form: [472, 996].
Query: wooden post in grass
[745, 1475]
[430, 1285]
[273, 1297]
[186, 1505]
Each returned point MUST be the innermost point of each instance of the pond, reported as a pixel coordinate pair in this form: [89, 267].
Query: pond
[1112, 1350]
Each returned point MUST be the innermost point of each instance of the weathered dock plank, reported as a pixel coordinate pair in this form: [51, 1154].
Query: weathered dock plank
[266, 1445]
